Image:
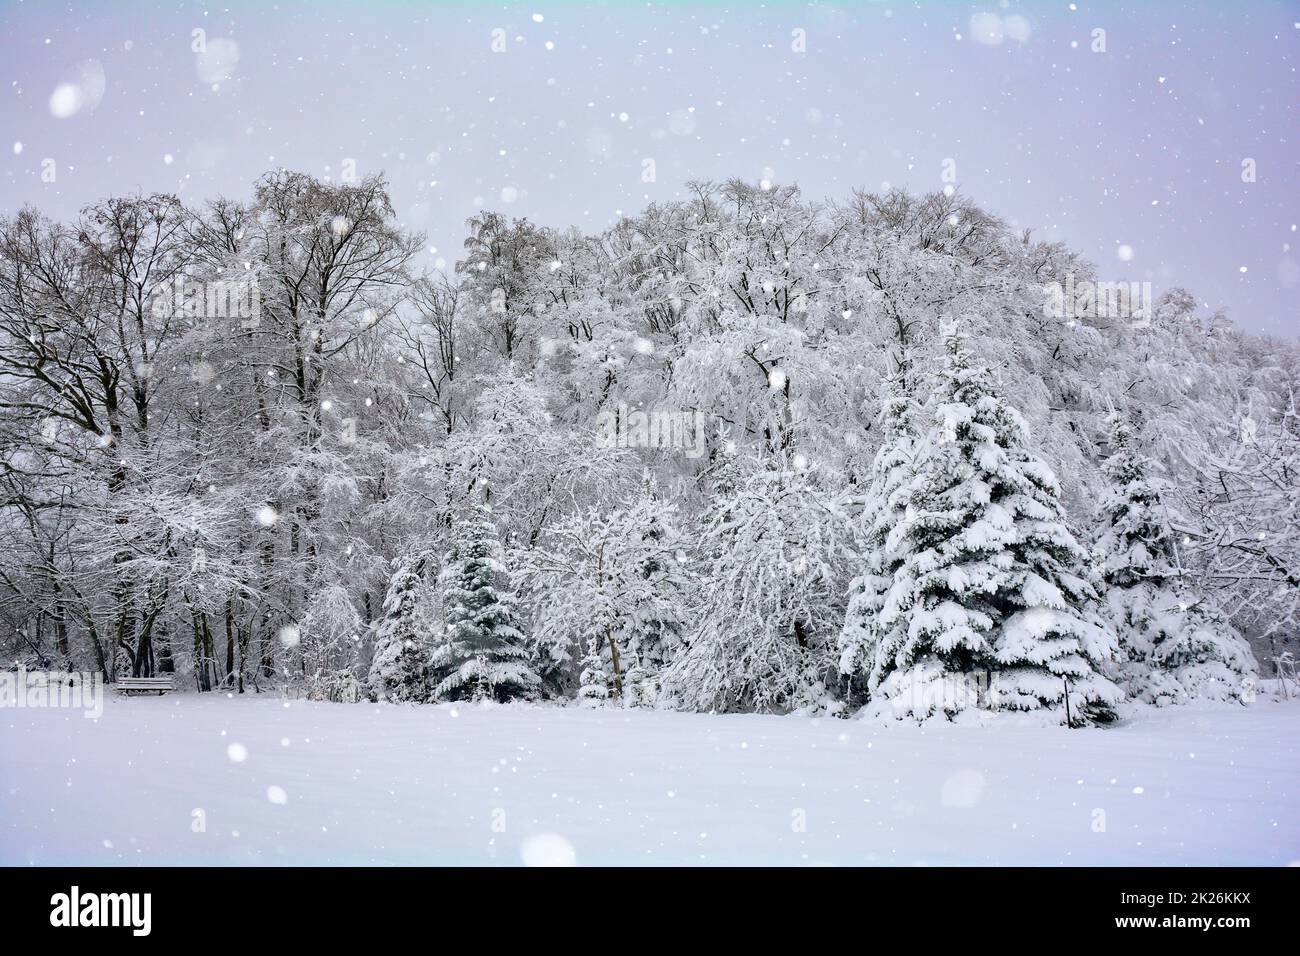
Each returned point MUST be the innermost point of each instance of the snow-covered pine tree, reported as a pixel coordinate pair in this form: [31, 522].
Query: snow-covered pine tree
[399, 670]
[882, 512]
[483, 652]
[593, 689]
[1136, 544]
[993, 584]
[1173, 646]
[653, 635]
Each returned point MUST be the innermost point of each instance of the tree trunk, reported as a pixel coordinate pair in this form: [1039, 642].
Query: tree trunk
[229, 677]
[166, 664]
[98, 647]
[613, 656]
[201, 673]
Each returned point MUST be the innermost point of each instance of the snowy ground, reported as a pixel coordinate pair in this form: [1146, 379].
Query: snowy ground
[335, 783]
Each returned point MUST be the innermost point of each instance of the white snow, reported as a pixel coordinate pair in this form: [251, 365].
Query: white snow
[66, 100]
[1205, 784]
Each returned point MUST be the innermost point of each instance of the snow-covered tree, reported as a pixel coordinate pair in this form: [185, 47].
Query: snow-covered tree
[399, 670]
[482, 653]
[993, 586]
[761, 636]
[523, 460]
[611, 584]
[329, 638]
[1173, 646]
[877, 546]
[181, 486]
[1234, 492]
[594, 682]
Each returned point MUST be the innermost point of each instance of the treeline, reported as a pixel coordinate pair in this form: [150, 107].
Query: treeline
[919, 486]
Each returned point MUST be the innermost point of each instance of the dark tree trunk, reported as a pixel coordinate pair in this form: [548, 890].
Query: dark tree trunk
[613, 657]
[229, 677]
[166, 664]
[201, 673]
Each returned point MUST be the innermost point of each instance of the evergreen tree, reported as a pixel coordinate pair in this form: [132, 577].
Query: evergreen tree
[593, 688]
[640, 686]
[483, 653]
[1173, 646]
[399, 670]
[653, 633]
[992, 584]
[882, 512]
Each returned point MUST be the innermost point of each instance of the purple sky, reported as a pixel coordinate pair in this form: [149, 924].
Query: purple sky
[1133, 155]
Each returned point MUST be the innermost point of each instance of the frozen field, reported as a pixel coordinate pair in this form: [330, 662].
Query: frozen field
[159, 781]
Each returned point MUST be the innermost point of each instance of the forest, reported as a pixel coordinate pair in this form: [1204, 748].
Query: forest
[741, 452]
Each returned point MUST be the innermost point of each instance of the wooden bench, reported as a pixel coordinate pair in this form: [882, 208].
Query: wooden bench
[144, 685]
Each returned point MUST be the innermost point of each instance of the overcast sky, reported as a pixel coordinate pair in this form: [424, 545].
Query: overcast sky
[1133, 155]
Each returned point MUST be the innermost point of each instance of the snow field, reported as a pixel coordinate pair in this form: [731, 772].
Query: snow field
[185, 779]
